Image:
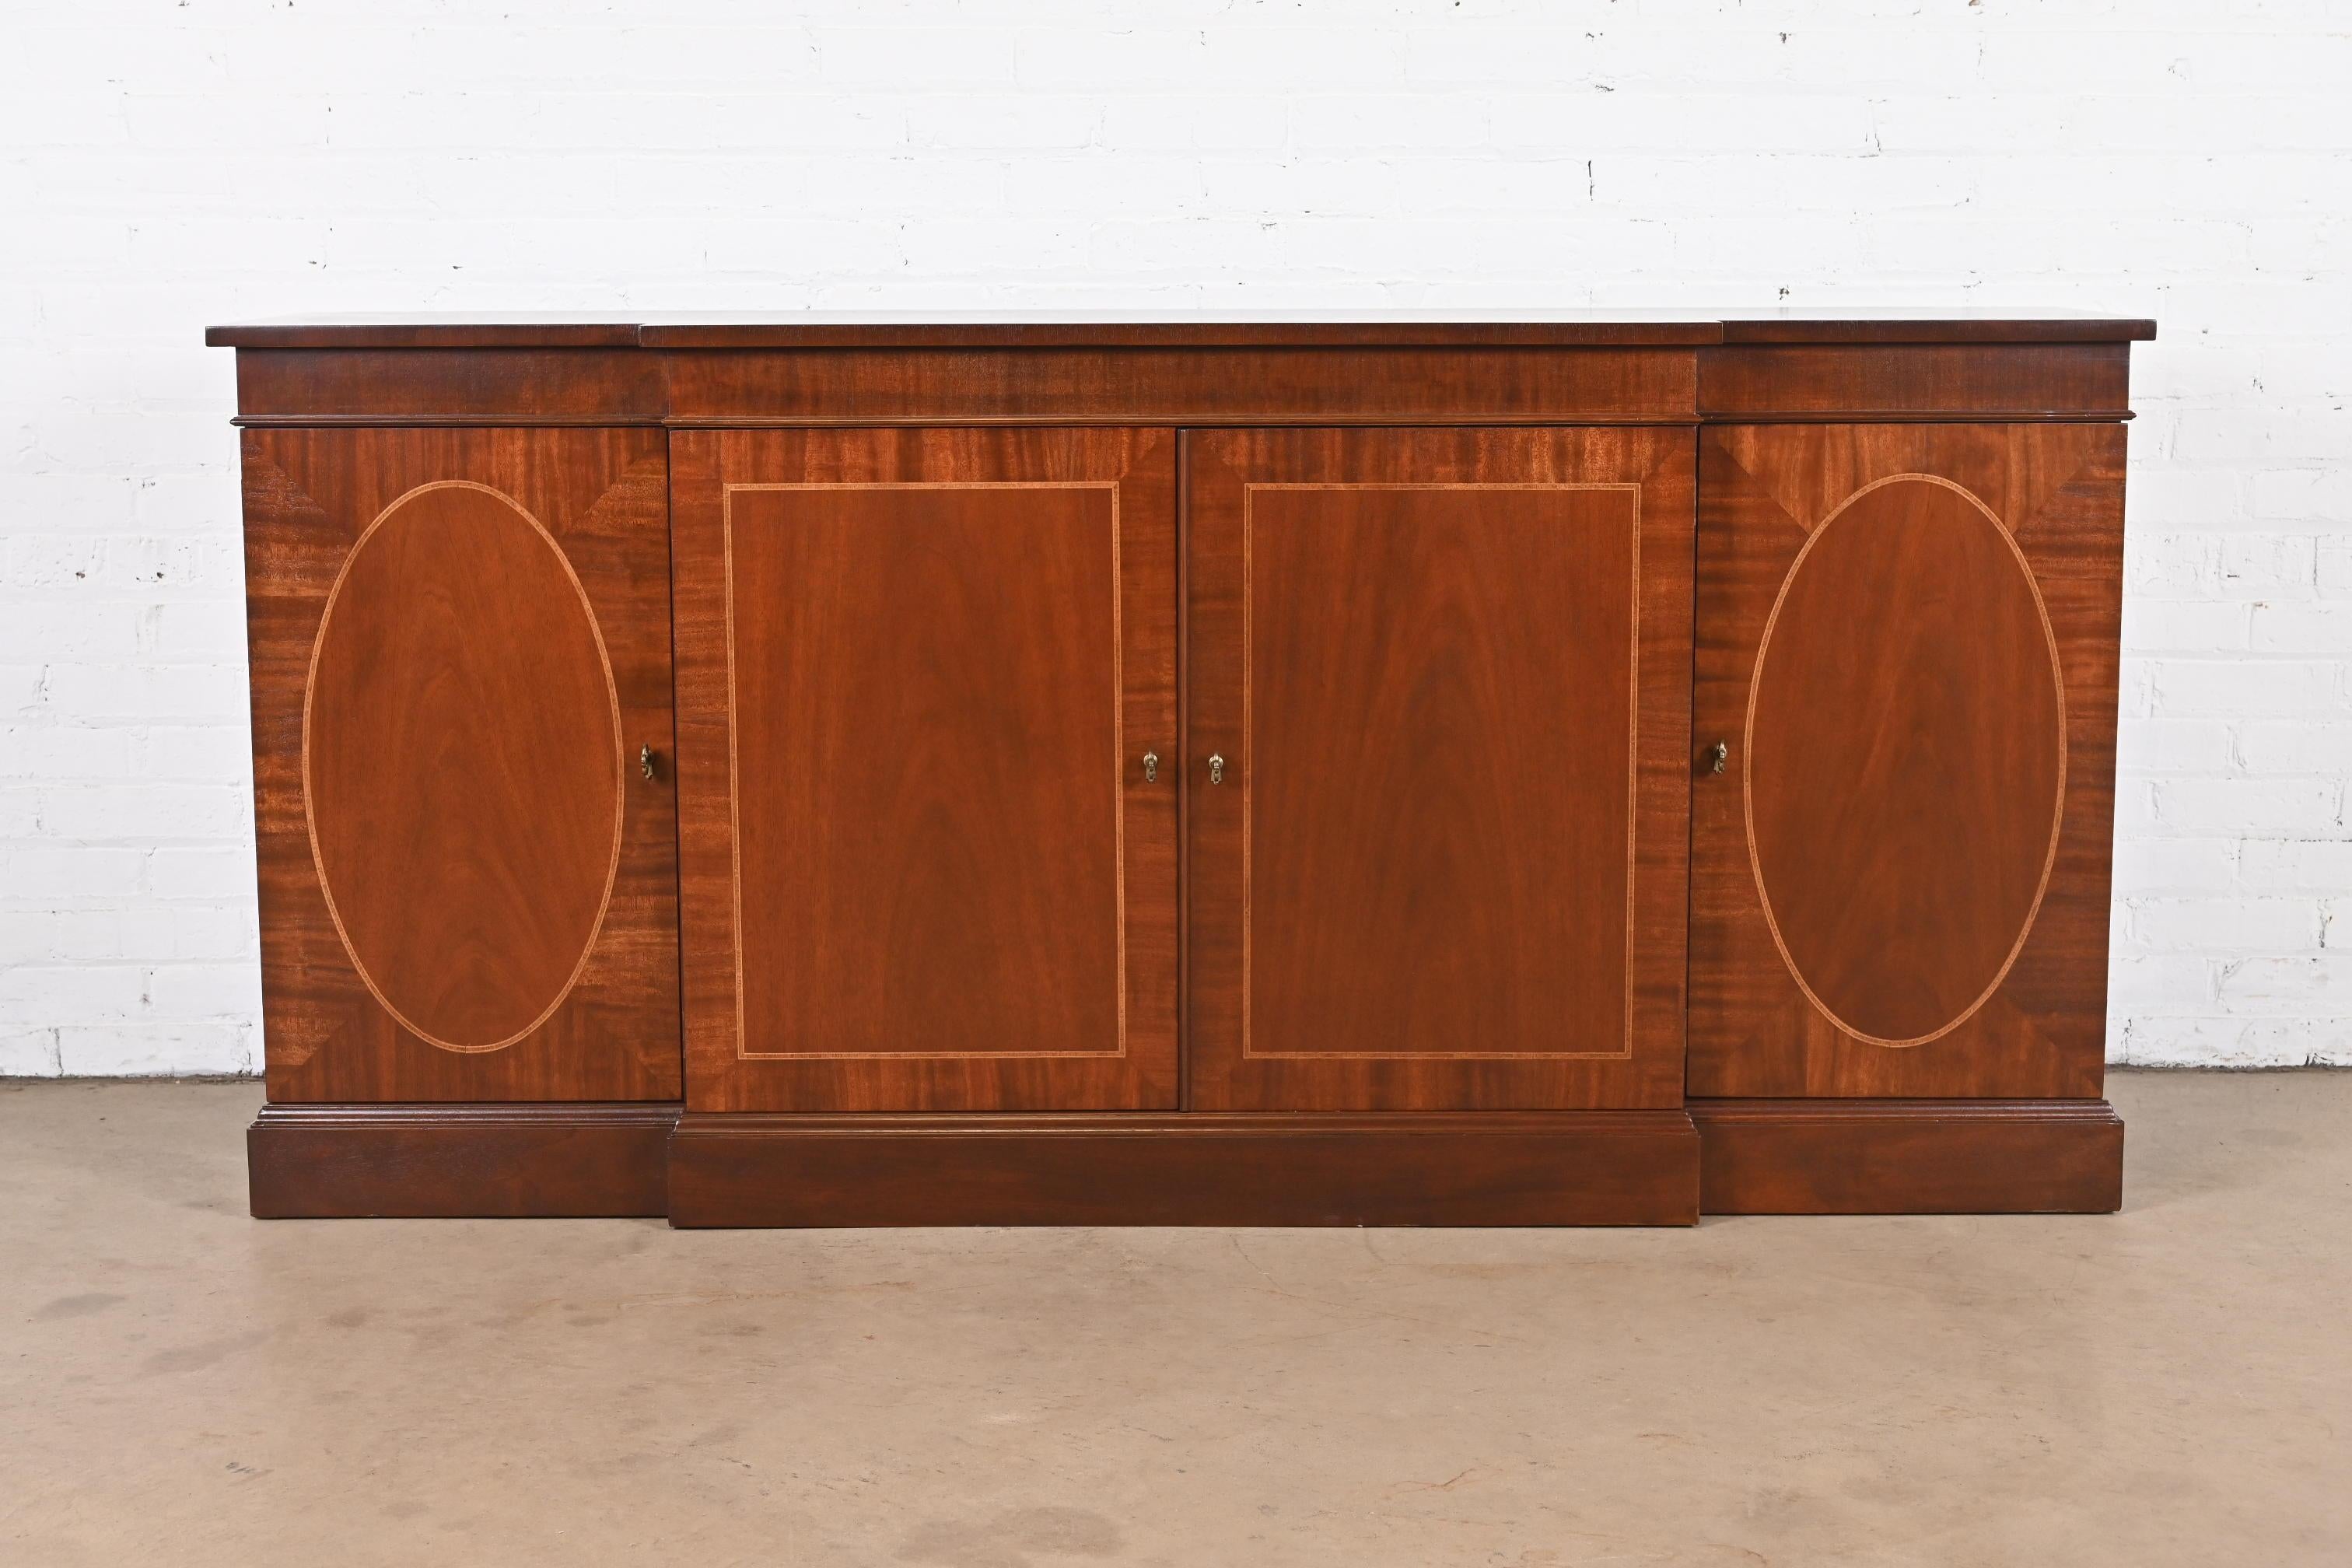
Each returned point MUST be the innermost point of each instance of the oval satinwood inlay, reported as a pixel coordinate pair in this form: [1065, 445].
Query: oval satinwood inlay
[1905, 759]
[462, 767]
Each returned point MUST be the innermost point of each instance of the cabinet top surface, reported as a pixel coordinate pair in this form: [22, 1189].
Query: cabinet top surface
[1535, 329]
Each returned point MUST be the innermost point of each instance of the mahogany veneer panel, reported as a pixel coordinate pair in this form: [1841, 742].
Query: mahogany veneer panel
[919, 672]
[933, 386]
[460, 642]
[1618, 1167]
[454, 651]
[1178, 386]
[1909, 1157]
[1908, 642]
[383, 387]
[1448, 672]
[1385, 380]
[1965, 381]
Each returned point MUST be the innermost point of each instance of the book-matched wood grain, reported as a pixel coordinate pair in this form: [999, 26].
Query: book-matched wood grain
[919, 672]
[460, 642]
[1908, 645]
[1446, 672]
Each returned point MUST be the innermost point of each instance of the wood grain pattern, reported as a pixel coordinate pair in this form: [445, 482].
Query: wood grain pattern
[1931, 382]
[1438, 723]
[1909, 1157]
[1903, 760]
[1178, 386]
[458, 642]
[924, 869]
[537, 387]
[930, 380]
[467, 740]
[1913, 833]
[459, 1161]
[1607, 1167]
[928, 754]
[1437, 875]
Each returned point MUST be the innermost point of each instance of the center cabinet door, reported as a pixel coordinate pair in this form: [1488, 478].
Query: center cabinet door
[923, 865]
[1438, 767]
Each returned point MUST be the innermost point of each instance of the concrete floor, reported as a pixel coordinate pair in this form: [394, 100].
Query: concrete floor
[181, 1384]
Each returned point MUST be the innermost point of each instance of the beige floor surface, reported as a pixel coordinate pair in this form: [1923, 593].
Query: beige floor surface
[180, 1385]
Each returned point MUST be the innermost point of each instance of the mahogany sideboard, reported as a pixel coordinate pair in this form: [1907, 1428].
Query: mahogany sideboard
[1545, 770]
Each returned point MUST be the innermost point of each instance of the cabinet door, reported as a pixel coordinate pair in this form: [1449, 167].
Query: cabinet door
[1906, 648]
[925, 867]
[460, 644]
[1436, 767]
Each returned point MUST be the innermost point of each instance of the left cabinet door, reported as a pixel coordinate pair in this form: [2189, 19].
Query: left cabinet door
[926, 864]
[460, 645]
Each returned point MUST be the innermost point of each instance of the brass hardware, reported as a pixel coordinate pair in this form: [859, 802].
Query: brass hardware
[1718, 756]
[646, 761]
[1216, 768]
[1151, 767]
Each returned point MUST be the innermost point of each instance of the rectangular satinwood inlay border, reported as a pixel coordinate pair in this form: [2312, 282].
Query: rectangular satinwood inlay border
[1633, 488]
[1118, 756]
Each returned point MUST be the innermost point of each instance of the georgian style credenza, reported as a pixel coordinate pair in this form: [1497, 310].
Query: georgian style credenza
[1531, 772]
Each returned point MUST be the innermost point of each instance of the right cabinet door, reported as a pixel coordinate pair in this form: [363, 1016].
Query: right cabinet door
[1905, 714]
[1437, 767]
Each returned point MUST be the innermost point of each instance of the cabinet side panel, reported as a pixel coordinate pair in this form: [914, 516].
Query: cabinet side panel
[1907, 645]
[460, 649]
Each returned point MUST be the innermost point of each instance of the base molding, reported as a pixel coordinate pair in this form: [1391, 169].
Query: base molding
[1909, 1157]
[1329, 1168]
[1324, 1168]
[455, 1162]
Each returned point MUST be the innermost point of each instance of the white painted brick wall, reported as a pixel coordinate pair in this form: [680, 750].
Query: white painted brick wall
[162, 166]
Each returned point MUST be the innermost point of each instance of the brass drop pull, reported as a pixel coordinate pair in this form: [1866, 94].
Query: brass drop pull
[1151, 767]
[1718, 756]
[646, 761]
[1216, 768]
